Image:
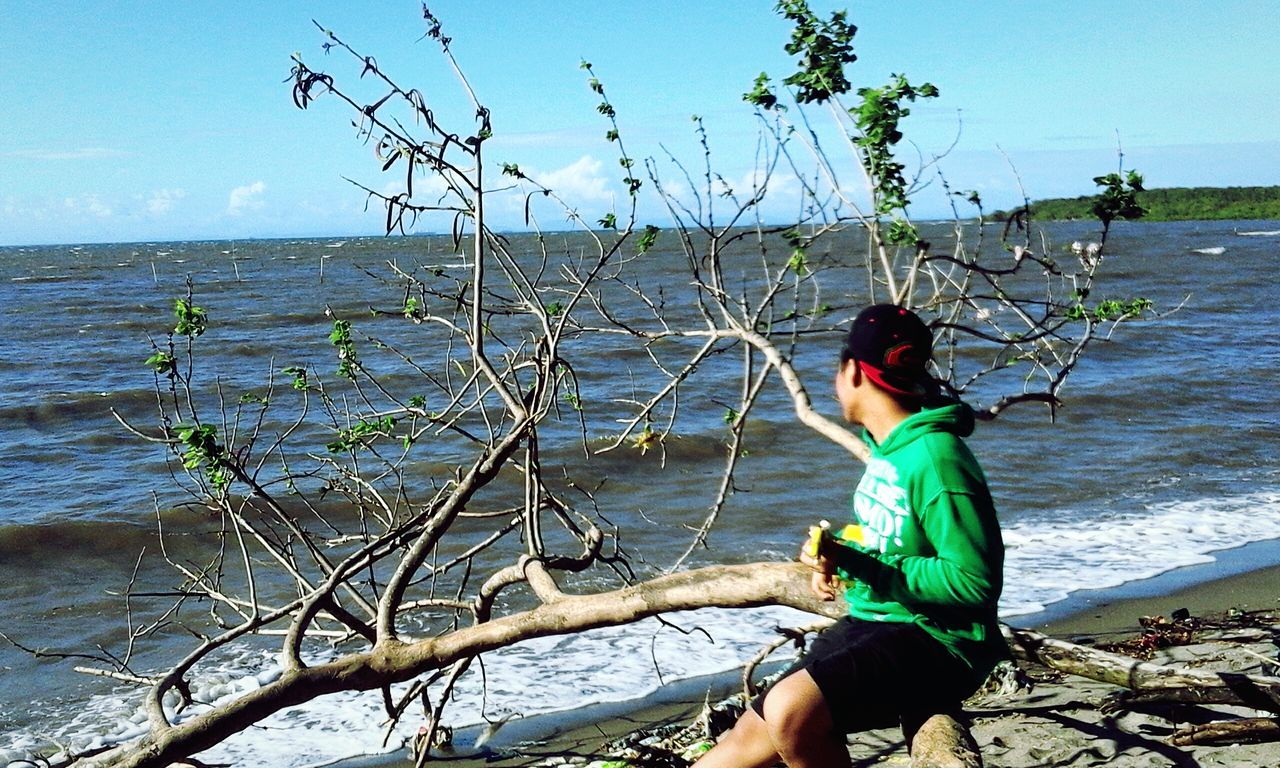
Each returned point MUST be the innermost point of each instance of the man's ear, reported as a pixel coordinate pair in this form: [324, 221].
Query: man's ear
[856, 372]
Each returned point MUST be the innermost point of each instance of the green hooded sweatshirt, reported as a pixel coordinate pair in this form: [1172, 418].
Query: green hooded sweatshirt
[930, 550]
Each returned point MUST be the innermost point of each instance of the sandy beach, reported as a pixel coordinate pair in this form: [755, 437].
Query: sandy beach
[1062, 722]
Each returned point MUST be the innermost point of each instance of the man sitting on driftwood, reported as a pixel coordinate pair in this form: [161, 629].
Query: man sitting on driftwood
[922, 561]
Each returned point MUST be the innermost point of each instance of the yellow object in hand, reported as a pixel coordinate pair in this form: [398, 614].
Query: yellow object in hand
[814, 543]
[851, 533]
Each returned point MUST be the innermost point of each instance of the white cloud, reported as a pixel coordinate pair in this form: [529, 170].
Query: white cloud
[91, 205]
[577, 183]
[245, 198]
[781, 184]
[162, 200]
[782, 197]
[97, 207]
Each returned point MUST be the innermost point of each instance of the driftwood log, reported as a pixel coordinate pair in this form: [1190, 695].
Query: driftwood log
[945, 741]
[1249, 729]
[942, 741]
[1147, 683]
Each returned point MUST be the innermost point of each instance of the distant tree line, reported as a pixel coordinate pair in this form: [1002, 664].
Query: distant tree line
[1173, 204]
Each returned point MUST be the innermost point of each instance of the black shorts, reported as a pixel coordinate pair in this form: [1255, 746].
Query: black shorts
[875, 675]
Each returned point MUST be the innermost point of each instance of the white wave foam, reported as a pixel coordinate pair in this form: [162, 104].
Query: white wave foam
[605, 665]
[1261, 233]
[1046, 560]
[1214, 251]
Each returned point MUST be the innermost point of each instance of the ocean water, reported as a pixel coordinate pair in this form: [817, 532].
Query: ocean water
[1163, 455]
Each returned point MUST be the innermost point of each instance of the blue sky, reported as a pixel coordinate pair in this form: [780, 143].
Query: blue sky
[163, 121]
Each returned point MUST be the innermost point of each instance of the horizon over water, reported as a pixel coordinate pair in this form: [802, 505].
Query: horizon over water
[1163, 455]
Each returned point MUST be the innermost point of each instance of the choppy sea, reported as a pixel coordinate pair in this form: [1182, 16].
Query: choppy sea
[1164, 454]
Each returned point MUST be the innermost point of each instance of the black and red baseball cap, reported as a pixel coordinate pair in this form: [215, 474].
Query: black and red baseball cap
[892, 346]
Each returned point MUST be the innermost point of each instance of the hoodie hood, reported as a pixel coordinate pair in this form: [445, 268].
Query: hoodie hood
[954, 418]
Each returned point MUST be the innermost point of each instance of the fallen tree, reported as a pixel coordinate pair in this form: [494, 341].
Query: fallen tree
[1148, 683]
[939, 741]
[443, 518]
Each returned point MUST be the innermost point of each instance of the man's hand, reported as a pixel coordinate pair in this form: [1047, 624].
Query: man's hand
[824, 582]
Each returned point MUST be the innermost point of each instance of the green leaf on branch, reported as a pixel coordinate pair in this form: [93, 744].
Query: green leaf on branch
[902, 232]
[824, 48]
[202, 451]
[340, 337]
[192, 320]
[761, 94]
[361, 433]
[1110, 310]
[609, 221]
[1119, 198]
[163, 363]
[799, 262]
[647, 238]
[341, 332]
[878, 116]
[299, 375]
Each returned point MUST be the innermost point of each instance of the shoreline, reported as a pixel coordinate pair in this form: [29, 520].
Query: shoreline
[1245, 578]
[1230, 580]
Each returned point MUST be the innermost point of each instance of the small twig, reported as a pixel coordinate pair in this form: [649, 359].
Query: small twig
[123, 677]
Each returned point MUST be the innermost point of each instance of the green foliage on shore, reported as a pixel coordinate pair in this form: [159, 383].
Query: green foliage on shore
[1174, 204]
